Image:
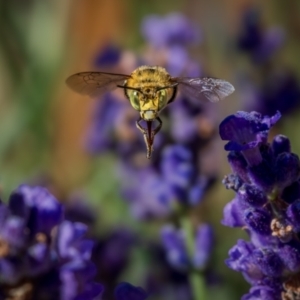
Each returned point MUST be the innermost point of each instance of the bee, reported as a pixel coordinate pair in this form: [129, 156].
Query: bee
[149, 90]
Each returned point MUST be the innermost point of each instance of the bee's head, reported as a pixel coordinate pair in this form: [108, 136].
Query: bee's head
[149, 101]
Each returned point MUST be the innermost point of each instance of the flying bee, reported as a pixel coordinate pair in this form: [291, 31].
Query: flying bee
[149, 90]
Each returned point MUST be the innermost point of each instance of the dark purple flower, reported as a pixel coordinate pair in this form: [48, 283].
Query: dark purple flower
[246, 132]
[267, 189]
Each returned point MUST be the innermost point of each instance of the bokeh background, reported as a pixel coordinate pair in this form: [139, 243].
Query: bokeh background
[44, 125]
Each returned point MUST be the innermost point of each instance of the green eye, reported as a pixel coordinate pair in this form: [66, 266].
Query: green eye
[134, 99]
[162, 99]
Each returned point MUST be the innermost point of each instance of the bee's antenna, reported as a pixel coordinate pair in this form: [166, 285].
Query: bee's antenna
[129, 87]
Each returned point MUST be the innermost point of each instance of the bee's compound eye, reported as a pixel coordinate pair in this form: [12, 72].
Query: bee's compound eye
[163, 99]
[134, 99]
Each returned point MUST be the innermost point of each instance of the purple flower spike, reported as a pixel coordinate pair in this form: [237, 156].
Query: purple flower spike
[266, 204]
[126, 291]
[245, 132]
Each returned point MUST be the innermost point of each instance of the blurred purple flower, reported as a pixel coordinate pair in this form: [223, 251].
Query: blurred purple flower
[174, 242]
[174, 183]
[40, 252]
[37, 207]
[78, 209]
[281, 91]
[108, 56]
[101, 136]
[264, 176]
[258, 42]
[173, 29]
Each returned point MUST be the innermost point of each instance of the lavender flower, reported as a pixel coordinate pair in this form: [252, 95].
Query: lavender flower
[41, 255]
[266, 179]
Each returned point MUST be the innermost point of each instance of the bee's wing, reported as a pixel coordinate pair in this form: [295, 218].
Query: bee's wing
[95, 83]
[206, 88]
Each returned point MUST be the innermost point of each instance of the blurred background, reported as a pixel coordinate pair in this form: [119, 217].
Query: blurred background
[88, 152]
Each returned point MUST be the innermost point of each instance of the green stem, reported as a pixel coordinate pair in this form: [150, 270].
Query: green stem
[196, 278]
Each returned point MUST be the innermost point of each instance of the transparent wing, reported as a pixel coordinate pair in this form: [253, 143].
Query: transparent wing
[95, 83]
[206, 88]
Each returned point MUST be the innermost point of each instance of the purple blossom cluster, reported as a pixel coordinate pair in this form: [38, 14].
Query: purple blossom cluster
[266, 181]
[43, 256]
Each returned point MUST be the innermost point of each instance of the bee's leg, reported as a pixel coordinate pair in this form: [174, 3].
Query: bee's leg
[139, 126]
[158, 128]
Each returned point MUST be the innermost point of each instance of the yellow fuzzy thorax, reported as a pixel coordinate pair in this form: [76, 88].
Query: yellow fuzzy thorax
[146, 76]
